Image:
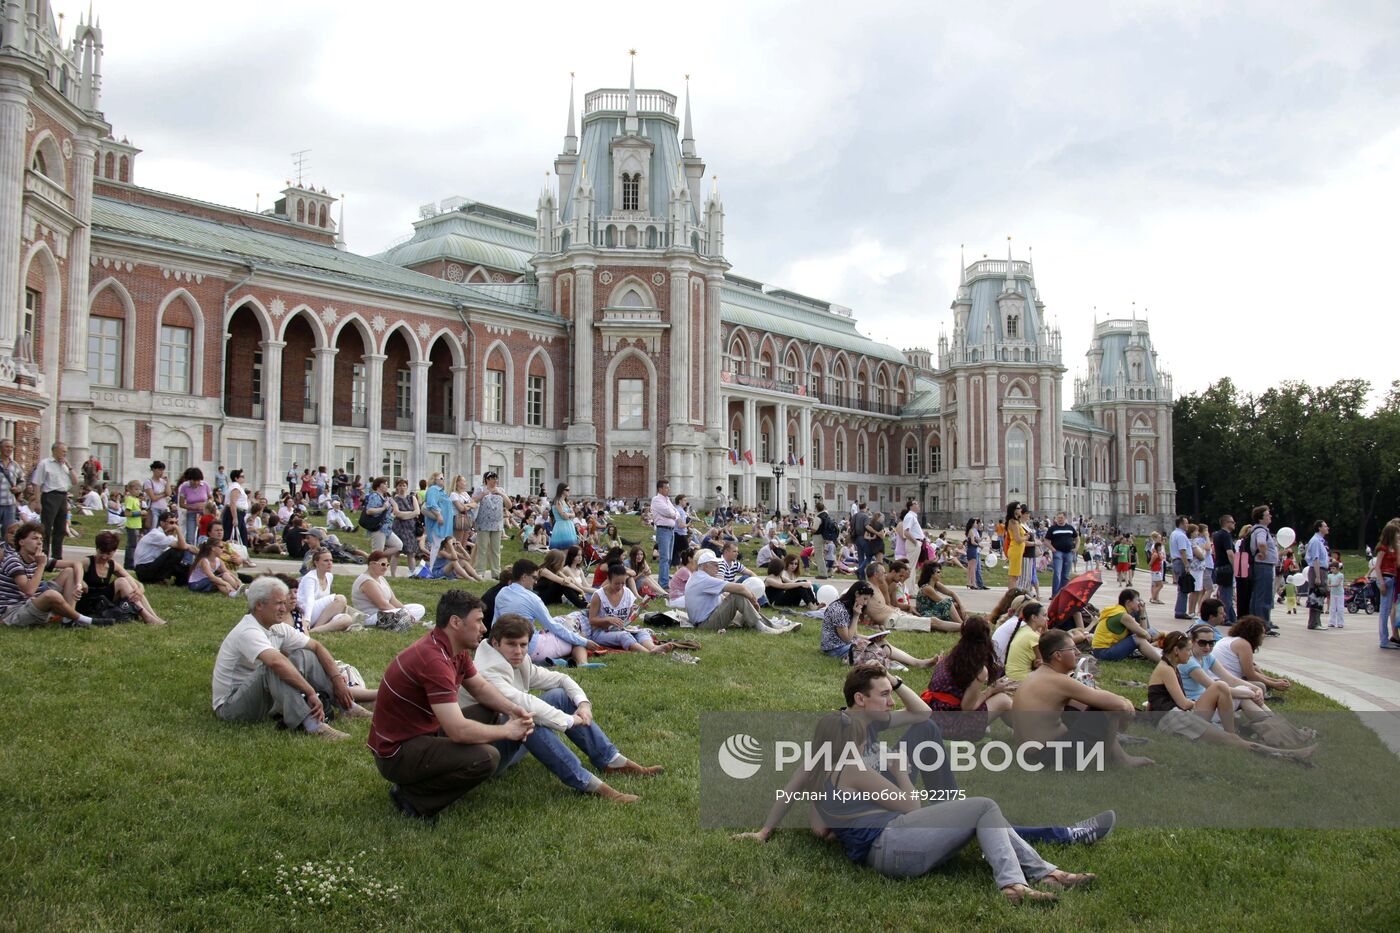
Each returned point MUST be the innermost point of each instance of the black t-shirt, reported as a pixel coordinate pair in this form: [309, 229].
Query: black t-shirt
[1062, 538]
[858, 523]
[295, 541]
[488, 604]
[1223, 543]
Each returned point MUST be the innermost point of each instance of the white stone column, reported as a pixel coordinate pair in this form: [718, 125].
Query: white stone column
[14, 96]
[804, 450]
[325, 404]
[273, 467]
[748, 485]
[992, 442]
[374, 414]
[964, 445]
[582, 438]
[545, 294]
[1122, 499]
[460, 417]
[714, 353]
[418, 370]
[679, 409]
[75, 395]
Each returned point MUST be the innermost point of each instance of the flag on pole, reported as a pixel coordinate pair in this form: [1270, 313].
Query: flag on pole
[748, 457]
[733, 455]
[802, 461]
[792, 461]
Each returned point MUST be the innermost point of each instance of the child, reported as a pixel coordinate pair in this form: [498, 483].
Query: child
[134, 512]
[1290, 597]
[1158, 565]
[1336, 584]
[1120, 557]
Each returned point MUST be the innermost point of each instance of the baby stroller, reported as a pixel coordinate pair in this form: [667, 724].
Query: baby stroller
[1363, 596]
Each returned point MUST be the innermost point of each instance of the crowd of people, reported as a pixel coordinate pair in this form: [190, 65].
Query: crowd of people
[467, 700]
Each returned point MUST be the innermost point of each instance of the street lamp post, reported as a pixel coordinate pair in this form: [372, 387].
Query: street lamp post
[923, 496]
[777, 487]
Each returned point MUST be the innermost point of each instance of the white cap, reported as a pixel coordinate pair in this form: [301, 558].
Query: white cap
[705, 556]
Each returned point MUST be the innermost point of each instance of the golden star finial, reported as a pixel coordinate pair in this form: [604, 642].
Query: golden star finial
[631, 51]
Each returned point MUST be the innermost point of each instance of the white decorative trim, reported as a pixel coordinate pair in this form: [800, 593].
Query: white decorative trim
[378, 323]
[499, 330]
[181, 275]
[116, 263]
[542, 338]
[605, 277]
[28, 119]
[67, 149]
[454, 272]
[329, 315]
[277, 307]
[423, 330]
[658, 278]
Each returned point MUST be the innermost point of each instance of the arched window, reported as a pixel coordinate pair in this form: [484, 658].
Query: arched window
[840, 463]
[1013, 325]
[882, 458]
[173, 371]
[301, 211]
[110, 162]
[1017, 481]
[40, 164]
[817, 451]
[935, 457]
[124, 169]
[911, 460]
[861, 462]
[322, 216]
[631, 190]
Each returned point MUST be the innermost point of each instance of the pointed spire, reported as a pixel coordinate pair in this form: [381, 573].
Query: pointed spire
[962, 263]
[340, 225]
[630, 127]
[571, 137]
[687, 135]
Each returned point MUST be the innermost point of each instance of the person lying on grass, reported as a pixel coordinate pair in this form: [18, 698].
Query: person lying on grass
[423, 746]
[266, 667]
[1051, 706]
[1123, 631]
[840, 635]
[936, 601]
[610, 609]
[563, 708]
[25, 599]
[713, 603]
[1191, 719]
[893, 833]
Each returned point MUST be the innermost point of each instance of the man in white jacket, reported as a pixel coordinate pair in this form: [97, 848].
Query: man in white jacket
[505, 663]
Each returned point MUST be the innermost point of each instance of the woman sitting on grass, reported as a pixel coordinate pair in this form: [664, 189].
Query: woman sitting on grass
[784, 586]
[209, 573]
[879, 820]
[321, 610]
[453, 562]
[553, 586]
[1203, 669]
[967, 687]
[646, 584]
[371, 594]
[1235, 653]
[839, 633]
[610, 609]
[573, 571]
[538, 540]
[106, 579]
[1023, 648]
[1192, 719]
[262, 539]
[675, 594]
[936, 601]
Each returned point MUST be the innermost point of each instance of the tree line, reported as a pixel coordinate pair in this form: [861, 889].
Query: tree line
[1309, 452]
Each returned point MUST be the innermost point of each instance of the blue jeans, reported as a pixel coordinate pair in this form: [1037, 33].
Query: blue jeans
[1388, 603]
[665, 541]
[976, 564]
[1119, 652]
[1063, 565]
[546, 745]
[1261, 601]
[863, 557]
[9, 514]
[942, 778]
[191, 520]
[1226, 594]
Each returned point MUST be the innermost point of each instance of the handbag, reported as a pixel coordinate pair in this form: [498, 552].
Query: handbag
[394, 620]
[372, 523]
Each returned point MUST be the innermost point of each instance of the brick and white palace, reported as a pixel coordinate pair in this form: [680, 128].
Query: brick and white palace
[602, 341]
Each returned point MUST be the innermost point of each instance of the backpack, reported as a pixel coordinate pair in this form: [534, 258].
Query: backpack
[372, 523]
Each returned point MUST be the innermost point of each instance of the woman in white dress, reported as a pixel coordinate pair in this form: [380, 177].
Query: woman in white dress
[370, 593]
[321, 610]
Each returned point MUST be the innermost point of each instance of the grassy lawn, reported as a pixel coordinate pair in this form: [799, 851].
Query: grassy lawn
[127, 805]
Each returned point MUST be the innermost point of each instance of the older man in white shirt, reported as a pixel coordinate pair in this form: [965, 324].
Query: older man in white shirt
[505, 663]
[54, 476]
[712, 602]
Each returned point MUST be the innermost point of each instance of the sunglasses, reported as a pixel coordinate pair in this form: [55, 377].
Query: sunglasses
[1205, 642]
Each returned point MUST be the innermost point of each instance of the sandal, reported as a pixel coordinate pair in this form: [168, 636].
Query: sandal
[1059, 880]
[1021, 893]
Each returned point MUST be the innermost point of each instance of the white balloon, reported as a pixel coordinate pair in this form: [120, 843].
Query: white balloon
[991, 560]
[1298, 579]
[755, 586]
[827, 595]
[1286, 536]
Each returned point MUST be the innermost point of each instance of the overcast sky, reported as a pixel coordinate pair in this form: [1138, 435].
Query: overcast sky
[1233, 168]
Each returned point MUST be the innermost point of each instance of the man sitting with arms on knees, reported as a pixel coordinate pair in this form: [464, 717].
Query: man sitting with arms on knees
[504, 662]
[163, 553]
[429, 752]
[266, 667]
[25, 599]
[1095, 716]
[712, 603]
[553, 640]
[1122, 631]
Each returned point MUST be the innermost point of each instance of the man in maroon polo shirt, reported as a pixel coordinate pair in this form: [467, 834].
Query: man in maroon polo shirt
[429, 752]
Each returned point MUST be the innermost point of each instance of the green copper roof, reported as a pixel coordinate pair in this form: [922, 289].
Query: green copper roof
[766, 312]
